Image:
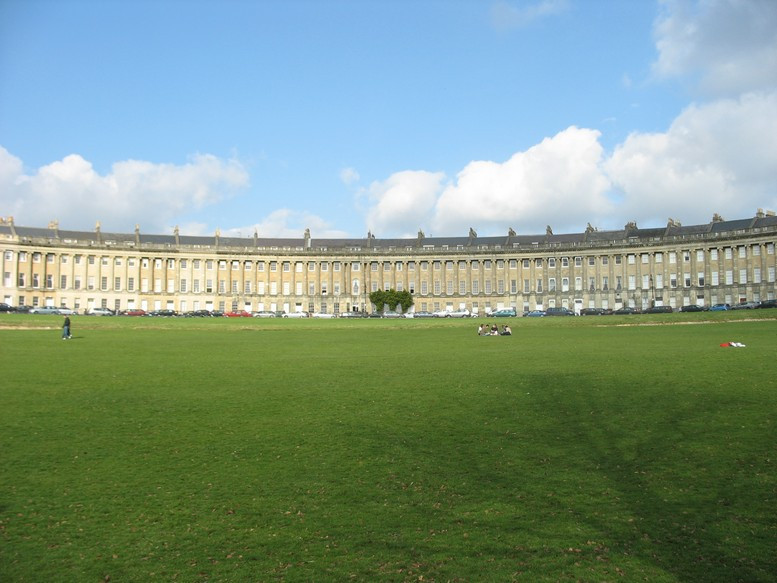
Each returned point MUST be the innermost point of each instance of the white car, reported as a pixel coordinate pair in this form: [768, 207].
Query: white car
[442, 314]
[323, 315]
[99, 312]
[296, 315]
[64, 311]
[264, 314]
[459, 314]
[44, 310]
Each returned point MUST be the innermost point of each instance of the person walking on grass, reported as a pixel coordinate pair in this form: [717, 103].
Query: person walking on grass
[66, 329]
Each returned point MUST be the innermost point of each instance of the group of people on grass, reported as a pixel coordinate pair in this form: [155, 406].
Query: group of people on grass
[493, 330]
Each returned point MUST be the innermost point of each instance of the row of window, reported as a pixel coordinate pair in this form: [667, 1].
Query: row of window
[577, 261]
[540, 284]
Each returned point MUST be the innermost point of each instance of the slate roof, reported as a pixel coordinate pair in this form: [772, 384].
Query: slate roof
[594, 238]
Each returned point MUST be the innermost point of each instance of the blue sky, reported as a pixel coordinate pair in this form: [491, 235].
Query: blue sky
[349, 116]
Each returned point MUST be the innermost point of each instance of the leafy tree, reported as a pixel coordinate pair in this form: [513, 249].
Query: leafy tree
[392, 299]
[405, 300]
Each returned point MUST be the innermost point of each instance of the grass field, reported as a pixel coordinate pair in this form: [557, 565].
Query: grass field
[579, 449]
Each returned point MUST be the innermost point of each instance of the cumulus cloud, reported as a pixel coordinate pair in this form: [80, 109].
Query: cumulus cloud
[401, 203]
[726, 47]
[719, 157]
[559, 180]
[716, 156]
[134, 191]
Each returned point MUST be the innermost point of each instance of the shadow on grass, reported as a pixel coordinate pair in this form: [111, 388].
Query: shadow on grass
[570, 472]
[693, 509]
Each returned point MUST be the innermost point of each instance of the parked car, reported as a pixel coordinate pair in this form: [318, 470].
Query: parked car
[626, 310]
[163, 313]
[135, 312]
[264, 314]
[659, 310]
[99, 312]
[720, 308]
[193, 314]
[391, 314]
[44, 310]
[559, 312]
[296, 315]
[693, 308]
[6, 308]
[745, 306]
[23, 309]
[322, 315]
[459, 314]
[423, 314]
[768, 304]
[504, 313]
[65, 311]
[592, 311]
[441, 314]
[353, 315]
[238, 314]
[536, 314]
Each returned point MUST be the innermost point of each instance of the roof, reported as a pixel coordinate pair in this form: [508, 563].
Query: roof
[593, 237]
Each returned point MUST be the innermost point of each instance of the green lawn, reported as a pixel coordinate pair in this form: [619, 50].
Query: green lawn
[580, 449]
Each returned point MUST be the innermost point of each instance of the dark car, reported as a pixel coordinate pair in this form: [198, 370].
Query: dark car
[7, 308]
[536, 314]
[659, 310]
[163, 313]
[559, 312]
[592, 311]
[693, 308]
[768, 304]
[198, 314]
[745, 306]
[625, 310]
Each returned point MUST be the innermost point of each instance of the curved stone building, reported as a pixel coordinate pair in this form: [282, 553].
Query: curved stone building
[718, 262]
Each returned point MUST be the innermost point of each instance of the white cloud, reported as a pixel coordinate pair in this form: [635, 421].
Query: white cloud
[287, 223]
[559, 181]
[505, 15]
[716, 157]
[727, 47]
[349, 176]
[719, 157]
[134, 191]
[401, 203]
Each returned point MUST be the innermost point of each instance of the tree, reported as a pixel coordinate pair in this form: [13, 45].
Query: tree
[392, 299]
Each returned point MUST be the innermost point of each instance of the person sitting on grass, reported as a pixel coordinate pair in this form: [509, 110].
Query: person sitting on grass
[506, 331]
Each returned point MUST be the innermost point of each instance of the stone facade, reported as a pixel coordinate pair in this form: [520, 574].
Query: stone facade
[719, 262]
